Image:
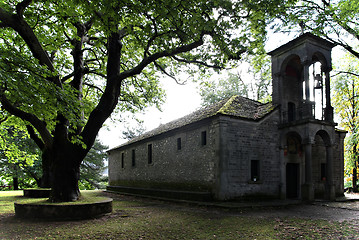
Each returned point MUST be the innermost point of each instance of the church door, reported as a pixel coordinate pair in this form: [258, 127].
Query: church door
[292, 181]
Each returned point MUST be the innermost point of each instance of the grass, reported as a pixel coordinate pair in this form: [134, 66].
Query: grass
[135, 218]
[85, 198]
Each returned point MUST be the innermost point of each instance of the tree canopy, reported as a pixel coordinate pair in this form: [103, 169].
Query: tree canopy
[335, 20]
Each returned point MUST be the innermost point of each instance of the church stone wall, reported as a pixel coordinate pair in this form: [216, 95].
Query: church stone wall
[189, 168]
[245, 141]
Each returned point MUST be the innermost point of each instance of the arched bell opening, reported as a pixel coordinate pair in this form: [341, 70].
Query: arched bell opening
[291, 89]
[315, 88]
[322, 166]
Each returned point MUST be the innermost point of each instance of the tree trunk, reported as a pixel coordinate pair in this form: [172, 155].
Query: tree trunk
[355, 177]
[65, 181]
[45, 181]
[65, 172]
[15, 182]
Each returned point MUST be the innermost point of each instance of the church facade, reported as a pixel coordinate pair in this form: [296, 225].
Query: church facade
[241, 148]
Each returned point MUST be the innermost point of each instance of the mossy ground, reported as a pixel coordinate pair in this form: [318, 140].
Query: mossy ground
[136, 218]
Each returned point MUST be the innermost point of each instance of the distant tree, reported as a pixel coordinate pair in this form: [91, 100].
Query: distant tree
[19, 156]
[134, 131]
[262, 77]
[254, 83]
[346, 105]
[93, 167]
[213, 91]
[65, 65]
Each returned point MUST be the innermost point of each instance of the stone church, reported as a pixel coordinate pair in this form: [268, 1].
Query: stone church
[240, 148]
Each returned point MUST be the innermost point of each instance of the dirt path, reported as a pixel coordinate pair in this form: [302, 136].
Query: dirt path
[331, 211]
[337, 213]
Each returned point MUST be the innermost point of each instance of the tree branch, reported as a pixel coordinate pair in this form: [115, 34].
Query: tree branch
[345, 72]
[31, 118]
[197, 62]
[20, 7]
[167, 53]
[109, 98]
[25, 31]
[166, 73]
[94, 86]
[34, 137]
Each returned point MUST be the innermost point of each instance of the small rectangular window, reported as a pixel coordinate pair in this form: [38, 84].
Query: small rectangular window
[204, 138]
[323, 171]
[122, 160]
[255, 171]
[149, 153]
[179, 144]
[133, 158]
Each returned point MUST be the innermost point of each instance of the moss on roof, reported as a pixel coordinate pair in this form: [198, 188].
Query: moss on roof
[235, 106]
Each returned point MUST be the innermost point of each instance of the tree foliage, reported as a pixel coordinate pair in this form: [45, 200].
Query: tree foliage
[253, 83]
[66, 65]
[346, 102]
[335, 20]
[19, 157]
[93, 167]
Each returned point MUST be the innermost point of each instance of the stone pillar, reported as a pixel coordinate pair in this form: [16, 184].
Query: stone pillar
[307, 91]
[330, 188]
[221, 186]
[329, 111]
[282, 167]
[307, 187]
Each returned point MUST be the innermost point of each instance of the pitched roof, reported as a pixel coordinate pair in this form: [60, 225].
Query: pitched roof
[299, 40]
[235, 106]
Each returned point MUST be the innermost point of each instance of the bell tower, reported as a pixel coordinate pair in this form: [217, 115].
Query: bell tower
[301, 82]
[301, 89]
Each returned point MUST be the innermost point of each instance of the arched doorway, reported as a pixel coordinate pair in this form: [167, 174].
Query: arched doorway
[293, 155]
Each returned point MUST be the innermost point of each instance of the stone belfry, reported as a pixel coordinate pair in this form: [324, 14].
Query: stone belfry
[301, 89]
[301, 82]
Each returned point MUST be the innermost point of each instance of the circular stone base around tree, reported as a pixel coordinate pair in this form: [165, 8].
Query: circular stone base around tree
[63, 211]
[37, 192]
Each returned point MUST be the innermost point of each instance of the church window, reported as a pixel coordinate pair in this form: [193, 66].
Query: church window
[203, 138]
[122, 160]
[179, 143]
[149, 153]
[255, 171]
[133, 157]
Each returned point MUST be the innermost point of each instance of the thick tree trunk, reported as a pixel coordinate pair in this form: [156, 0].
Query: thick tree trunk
[45, 181]
[65, 172]
[65, 182]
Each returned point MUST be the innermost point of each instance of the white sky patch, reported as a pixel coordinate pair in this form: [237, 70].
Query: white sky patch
[180, 101]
